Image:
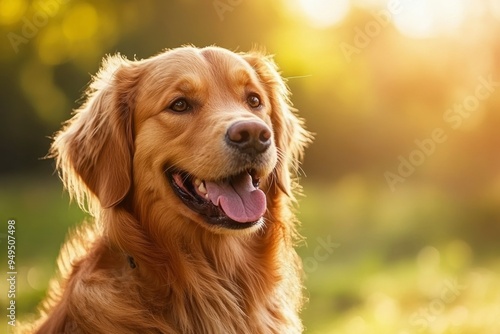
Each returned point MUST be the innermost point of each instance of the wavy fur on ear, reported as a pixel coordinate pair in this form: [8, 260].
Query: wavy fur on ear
[290, 135]
[93, 150]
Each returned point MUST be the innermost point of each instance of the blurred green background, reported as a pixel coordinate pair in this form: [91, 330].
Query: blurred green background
[402, 184]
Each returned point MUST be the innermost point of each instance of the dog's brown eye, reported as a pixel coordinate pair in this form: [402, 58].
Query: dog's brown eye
[179, 105]
[253, 101]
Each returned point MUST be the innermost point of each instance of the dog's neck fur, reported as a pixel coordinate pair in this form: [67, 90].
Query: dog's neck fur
[221, 280]
[227, 284]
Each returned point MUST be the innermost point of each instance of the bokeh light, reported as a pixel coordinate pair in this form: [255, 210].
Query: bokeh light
[11, 11]
[80, 23]
[430, 18]
[324, 13]
[53, 47]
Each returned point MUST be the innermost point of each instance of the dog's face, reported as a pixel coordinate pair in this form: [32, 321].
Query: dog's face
[203, 122]
[191, 133]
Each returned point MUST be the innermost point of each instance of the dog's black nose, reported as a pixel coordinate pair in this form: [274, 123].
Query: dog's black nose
[251, 137]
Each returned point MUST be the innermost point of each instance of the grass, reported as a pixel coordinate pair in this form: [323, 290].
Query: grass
[406, 262]
[376, 261]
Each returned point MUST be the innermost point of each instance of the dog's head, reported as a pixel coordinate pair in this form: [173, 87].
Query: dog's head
[203, 134]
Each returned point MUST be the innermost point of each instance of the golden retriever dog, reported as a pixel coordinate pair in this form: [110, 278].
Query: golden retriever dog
[187, 161]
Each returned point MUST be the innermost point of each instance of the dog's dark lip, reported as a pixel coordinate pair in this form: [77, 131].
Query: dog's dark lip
[212, 214]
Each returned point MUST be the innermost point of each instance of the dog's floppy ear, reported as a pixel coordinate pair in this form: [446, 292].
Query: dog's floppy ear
[290, 136]
[94, 149]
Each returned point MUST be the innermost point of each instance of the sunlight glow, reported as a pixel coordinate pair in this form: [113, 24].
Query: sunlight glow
[325, 13]
[430, 18]
[495, 8]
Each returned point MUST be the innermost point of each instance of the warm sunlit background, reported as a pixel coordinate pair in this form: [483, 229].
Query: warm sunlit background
[402, 187]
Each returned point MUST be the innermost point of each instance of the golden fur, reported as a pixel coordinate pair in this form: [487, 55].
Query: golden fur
[149, 264]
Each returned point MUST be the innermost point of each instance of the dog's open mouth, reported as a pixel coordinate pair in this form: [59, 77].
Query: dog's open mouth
[234, 202]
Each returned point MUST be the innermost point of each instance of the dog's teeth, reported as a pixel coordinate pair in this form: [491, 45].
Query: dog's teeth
[197, 182]
[202, 189]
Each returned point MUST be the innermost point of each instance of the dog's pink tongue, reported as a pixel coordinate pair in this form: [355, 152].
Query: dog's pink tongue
[240, 200]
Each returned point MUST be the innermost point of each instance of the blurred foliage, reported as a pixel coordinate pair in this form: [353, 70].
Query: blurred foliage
[374, 81]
